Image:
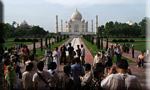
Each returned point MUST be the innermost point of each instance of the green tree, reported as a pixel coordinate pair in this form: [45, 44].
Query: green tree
[109, 28]
[36, 30]
[8, 30]
[143, 25]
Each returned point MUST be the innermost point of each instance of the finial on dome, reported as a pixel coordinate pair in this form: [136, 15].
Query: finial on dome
[76, 9]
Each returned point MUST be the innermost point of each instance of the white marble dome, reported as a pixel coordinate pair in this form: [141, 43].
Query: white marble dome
[76, 16]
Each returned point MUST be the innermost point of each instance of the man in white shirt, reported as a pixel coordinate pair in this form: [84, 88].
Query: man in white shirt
[54, 81]
[121, 80]
[27, 77]
[41, 77]
[97, 58]
[87, 78]
[56, 57]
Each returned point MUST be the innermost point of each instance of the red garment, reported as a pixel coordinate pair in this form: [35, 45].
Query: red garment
[25, 51]
[5, 69]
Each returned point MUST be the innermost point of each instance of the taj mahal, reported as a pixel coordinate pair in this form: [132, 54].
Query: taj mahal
[77, 25]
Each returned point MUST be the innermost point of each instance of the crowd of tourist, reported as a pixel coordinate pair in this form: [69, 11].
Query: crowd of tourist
[45, 74]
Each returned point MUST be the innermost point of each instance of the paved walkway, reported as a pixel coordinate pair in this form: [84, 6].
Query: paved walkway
[88, 55]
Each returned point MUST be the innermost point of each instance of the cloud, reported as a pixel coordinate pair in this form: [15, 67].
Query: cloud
[148, 9]
[18, 2]
[72, 3]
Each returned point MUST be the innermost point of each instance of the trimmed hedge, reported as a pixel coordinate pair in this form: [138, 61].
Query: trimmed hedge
[123, 40]
[25, 40]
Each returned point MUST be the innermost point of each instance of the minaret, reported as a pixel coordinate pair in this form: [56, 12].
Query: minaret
[56, 23]
[1, 11]
[92, 25]
[66, 29]
[87, 26]
[62, 26]
[69, 26]
[96, 23]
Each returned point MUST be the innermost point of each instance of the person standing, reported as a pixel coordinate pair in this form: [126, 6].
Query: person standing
[118, 52]
[98, 74]
[26, 53]
[48, 57]
[66, 78]
[110, 51]
[41, 77]
[77, 71]
[109, 55]
[27, 77]
[103, 58]
[78, 51]
[10, 77]
[97, 58]
[132, 50]
[82, 54]
[141, 58]
[63, 54]
[54, 81]
[87, 78]
[56, 57]
[71, 53]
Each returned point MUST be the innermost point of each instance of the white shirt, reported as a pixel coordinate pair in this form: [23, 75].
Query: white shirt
[40, 83]
[56, 56]
[96, 59]
[86, 78]
[82, 52]
[121, 82]
[27, 80]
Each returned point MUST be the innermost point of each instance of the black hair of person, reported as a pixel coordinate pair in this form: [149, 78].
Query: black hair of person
[87, 66]
[29, 66]
[67, 69]
[52, 65]
[122, 64]
[40, 65]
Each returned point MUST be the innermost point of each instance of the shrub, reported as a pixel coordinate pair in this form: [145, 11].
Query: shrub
[126, 40]
[120, 40]
[29, 40]
[114, 40]
[35, 40]
[132, 40]
[23, 40]
[16, 40]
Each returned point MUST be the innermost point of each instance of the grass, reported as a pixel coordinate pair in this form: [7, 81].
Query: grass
[92, 47]
[139, 44]
[136, 39]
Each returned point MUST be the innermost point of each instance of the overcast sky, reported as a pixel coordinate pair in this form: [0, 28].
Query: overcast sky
[43, 12]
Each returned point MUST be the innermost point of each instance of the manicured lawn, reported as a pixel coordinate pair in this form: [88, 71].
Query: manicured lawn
[136, 39]
[92, 47]
[139, 44]
[10, 43]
